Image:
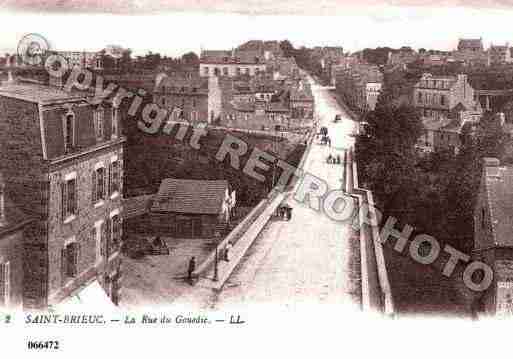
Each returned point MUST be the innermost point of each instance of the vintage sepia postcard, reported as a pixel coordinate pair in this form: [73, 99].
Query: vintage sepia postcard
[230, 178]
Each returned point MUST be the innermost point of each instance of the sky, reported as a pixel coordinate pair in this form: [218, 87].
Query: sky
[173, 27]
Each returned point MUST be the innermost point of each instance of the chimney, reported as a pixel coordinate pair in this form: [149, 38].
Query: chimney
[2, 201]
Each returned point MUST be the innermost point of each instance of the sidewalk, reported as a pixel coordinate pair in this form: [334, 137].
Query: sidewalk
[240, 248]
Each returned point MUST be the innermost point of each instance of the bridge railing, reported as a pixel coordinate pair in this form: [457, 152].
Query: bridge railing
[376, 290]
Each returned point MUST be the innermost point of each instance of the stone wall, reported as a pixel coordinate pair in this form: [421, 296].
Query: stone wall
[82, 228]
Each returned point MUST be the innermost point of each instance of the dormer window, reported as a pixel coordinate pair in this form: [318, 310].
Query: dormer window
[98, 123]
[69, 131]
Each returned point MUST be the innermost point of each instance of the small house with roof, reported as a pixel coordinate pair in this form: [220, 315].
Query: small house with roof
[190, 208]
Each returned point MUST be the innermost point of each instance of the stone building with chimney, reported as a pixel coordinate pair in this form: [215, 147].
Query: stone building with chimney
[438, 96]
[62, 160]
[231, 63]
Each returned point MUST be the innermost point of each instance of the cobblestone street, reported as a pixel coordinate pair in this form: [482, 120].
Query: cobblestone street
[309, 259]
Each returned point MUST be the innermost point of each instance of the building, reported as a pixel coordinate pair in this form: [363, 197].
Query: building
[302, 103]
[471, 45]
[231, 63]
[499, 55]
[258, 115]
[493, 236]
[437, 96]
[12, 231]
[190, 208]
[184, 95]
[343, 64]
[283, 66]
[82, 59]
[62, 158]
[471, 52]
[359, 86]
[269, 49]
[402, 57]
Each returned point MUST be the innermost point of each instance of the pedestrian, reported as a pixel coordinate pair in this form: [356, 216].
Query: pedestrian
[289, 213]
[227, 250]
[338, 159]
[191, 269]
[329, 141]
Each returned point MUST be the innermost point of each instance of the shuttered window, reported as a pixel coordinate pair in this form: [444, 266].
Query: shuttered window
[114, 177]
[99, 184]
[108, 237]
[115, 123]
[98, 124]
[116, 233]
[69, 132]
[69, 198]
[103, 241]
[69, 260]
[5, 283]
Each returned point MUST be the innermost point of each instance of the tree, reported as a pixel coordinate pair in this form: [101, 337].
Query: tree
[190, 58]
[287, 48]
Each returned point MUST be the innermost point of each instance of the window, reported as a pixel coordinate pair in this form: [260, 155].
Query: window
[114, 177]
[442, 100]
[99, 239]
[482, 218]
[225, 71]
[69, 260]
[193, 102]
[194, 116]
[5, 284]
[98, 181]
[420, 97]
[115, 122]
[69, 132]
[69, 197]
[98, 123]
[115, 232]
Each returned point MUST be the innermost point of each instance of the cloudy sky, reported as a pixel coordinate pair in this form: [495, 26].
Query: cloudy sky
[176, 26]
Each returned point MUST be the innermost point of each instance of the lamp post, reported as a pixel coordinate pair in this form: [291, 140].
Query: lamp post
[216, 275]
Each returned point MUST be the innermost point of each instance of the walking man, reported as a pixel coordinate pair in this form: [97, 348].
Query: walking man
[227, 250]
[191, 269]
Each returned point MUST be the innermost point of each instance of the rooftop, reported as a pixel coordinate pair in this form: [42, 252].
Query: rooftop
[37, 93]
[190, 196]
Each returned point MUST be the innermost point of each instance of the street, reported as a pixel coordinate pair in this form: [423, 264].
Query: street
[311, 258]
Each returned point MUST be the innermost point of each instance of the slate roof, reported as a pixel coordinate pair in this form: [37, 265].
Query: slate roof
[37, 93]
[499, 187]
[190, 196]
